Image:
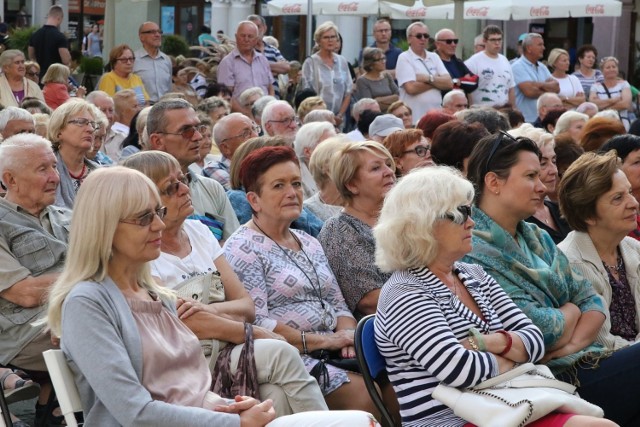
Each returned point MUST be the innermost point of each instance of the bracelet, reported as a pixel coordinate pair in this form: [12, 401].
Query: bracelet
[473, 344]
[304, 343]
[478, 338]
[509, 341]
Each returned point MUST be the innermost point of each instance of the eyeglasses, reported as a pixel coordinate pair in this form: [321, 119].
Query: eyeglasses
[245, 133]
[287, 122]
[329, 37]
[383, 30]
[127, 59]
[173, 188]
[419, 150]
[421, 36]
[494, 148]
[188, 132]
[32, 74]
[405, 114]
[465, 210]
[380, 59]
[449, 41]
[146, 219]
[495, 40]
[84, 122]
[151, 32]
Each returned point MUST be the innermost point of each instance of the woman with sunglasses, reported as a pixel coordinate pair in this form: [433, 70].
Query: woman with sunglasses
[410, 150]
[72, 128]
[121, 76]
[526, 263]
[376, 83]
[439, 319]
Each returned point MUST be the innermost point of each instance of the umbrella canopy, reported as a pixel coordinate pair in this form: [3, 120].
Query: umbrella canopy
[532, 9]
[416, 11]
[324, 7]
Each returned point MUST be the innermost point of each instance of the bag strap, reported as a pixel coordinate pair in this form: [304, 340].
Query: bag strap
[506, 376]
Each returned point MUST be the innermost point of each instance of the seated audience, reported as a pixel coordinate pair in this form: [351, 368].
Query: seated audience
[571, 122]
[310, 104]
[56, 86]
[95, 155]
[363, 104]
[14, 120]
[327, 202]
[550, 120]
[205, 145]
[599, 130]
[567, 152]
[588, 108]
[133, 142]
[491, 119]
[307, 140]
[409, 149]
[453, 101]
[259, 106]
[403, 112]
[14, 86]
[383, 126]
[35, 105]
[453, 142]
[121, 76]
[279, 119]
[430, 122]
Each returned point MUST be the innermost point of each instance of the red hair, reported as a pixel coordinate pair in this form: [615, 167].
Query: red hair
[258, 162]
[430, 122]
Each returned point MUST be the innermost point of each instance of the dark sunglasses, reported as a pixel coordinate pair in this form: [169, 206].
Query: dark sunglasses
[421, 36]
[449, 41]
[187, 133]
[147, 219]
[173, 188]
[419, 150]
[465, 210]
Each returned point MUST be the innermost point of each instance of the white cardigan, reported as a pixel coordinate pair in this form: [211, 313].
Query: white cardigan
[584, 259]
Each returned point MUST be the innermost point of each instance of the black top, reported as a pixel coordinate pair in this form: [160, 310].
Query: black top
[46, 41]
[563, 228]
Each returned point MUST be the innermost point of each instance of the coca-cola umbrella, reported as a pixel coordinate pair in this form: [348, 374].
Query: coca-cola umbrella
[324, 7]
[416, 11]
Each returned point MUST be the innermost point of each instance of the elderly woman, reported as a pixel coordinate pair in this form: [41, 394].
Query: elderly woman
[14, 86]
[205, 145]
[409, 149]
[363, 173]
[121, 76]
[599, 130]
[288, 276]
[587, 72]
[32, 71]
[327, 202]
[95, 154]
[307, 139]
[327, 73]
[71, 131]
[432, 301]
[310, 104]
[215, 107]
[432, 120]
[191, 253]
[612, 92]
[573, 123]
[108, 311]
[403, 112]
[453, 142]
[376, 83]
[596, 200]
[526, 263]
[180, 77]
[56, 86]
[571, 91]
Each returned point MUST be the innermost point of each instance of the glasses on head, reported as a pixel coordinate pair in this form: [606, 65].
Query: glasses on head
[419, 150]
[188, 132]
[146, 219]
[287, 122]
[465, 210]
[84, 122]
[449, 41]
[245, 133]
[151, 32]
[421, 36]
[495, 40]
[126, 59]
[494, 148]
[173, 188]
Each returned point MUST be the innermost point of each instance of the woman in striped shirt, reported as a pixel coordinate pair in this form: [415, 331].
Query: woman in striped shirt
[440, 320]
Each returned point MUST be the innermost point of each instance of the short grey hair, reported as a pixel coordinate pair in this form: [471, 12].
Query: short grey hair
[92, 96]
[12, 150]
[248, 93]
[448, 97]
[14, 113]
[319, 116]
[565, 120]
[361, 106]
[439, 33]
[260, 105]
[208, 105]
[309, 135]
[408, 207]
[8, 56]
[268, 112]
[249, 23]
[546, 97]
[415, 25]
[155, 120]
[528, 39]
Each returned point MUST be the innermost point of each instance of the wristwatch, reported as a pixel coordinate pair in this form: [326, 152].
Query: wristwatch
[430, 78]
[456, 82]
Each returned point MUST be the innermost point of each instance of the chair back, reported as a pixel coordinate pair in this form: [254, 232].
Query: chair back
[372, 366]
[64, 385]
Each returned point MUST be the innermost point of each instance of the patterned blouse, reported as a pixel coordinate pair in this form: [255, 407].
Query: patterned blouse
[623, 307]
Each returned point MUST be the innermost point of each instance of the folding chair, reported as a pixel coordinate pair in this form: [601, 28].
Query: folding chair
[373, 368]
[5, 420]
[64, 385]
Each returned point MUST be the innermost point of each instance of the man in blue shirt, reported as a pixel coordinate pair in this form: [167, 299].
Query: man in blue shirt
[382, 36]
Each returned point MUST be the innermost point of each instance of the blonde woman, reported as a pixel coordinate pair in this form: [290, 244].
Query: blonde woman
[57, 86]
[327, 202]
[571, 91]
[612, 93]
[310, 104]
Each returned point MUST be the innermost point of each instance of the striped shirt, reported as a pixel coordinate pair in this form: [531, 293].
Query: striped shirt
[418, 328]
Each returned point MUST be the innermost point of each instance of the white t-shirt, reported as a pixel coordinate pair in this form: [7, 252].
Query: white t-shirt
[204, 250]
[495, 79]
[408, 66]
[570, 86]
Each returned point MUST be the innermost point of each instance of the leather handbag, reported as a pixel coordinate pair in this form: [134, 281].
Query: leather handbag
[515, 398]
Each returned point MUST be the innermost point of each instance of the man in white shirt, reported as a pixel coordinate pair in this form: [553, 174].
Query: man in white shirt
[421, 74]
[496, 84]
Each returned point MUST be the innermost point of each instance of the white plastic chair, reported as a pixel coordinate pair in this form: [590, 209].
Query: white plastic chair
[65, 387]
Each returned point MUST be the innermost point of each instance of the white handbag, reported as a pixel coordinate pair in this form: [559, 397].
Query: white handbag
[516, 398]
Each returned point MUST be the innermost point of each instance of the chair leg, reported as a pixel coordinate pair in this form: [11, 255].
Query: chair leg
[6, 416]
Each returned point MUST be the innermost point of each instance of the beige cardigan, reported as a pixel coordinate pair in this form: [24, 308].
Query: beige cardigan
[584, 259]
[6, 95]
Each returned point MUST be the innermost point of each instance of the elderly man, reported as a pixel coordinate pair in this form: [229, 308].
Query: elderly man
[382, 40]
[279, 119]
[34, 236]
[547, 102]
[229, 133]
[14, 120]
[364, 104]
[173, 127]
[308, 138]
[151, 65]
[454, 101]
[277, 63]
[495, 83]
[532, 77]
[479, 43]
[446, 44]
[125, 107]
[244, 67]
[421, 74]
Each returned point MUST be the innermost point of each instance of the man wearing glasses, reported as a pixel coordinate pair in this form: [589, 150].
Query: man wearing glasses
[279, 119]
[462, 78]
[496, 83]
[382, 36]
[421, 74]
[152, 65]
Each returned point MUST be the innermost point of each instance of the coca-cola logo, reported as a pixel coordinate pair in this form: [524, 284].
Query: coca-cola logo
[348, 7]
[594, 9]
[477, 11]
[420, 12]
[539, 11]
[292, 8]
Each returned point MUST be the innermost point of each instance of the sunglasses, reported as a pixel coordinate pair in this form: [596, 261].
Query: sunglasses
[421, 36]
[419, 150]
[449, 41]
[173, 188]
[494, 148]
[147, 219]
[465, 210]
[188, 132]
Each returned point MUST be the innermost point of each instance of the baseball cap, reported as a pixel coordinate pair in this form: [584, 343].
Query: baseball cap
[385, 125]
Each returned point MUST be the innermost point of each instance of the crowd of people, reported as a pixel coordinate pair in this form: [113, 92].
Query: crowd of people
[210, 240]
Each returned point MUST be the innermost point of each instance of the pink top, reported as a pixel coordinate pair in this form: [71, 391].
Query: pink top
[174, 369]
[55, 94]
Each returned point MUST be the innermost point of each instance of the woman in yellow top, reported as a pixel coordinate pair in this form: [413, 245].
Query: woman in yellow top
[121, 59]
